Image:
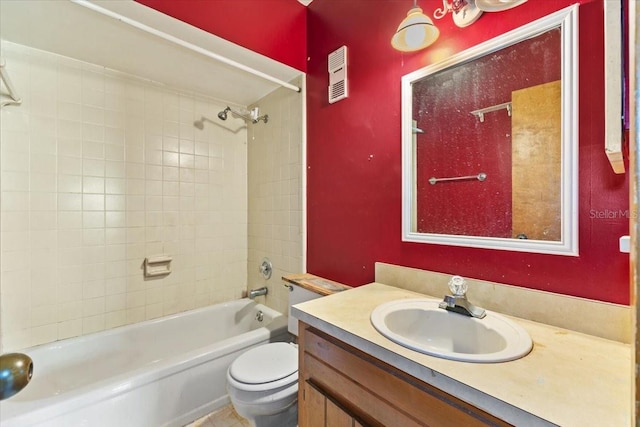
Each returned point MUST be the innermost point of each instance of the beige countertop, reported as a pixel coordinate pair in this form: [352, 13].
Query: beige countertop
[568, 379]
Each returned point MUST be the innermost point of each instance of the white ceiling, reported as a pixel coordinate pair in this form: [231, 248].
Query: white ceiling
[69, 29]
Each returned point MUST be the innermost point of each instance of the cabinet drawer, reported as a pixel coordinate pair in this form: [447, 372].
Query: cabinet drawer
[371, 408]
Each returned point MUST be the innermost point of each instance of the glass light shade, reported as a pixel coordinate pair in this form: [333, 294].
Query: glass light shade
[415, 32]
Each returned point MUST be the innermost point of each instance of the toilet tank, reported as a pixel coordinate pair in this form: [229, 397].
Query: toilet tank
[297, 295]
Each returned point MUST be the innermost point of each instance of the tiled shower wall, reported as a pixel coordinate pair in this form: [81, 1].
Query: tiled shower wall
[100, 170]
[276, 189]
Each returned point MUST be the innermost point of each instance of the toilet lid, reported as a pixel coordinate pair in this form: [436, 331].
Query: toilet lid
[265, 363]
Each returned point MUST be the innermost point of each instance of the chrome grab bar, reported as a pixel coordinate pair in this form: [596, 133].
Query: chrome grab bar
[480, 177]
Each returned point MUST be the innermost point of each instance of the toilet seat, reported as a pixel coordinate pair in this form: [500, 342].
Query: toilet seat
[265, 367]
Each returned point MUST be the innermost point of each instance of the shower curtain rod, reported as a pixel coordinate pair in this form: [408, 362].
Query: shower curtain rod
[185, 44]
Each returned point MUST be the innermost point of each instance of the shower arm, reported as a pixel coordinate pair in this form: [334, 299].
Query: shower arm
[253, 120]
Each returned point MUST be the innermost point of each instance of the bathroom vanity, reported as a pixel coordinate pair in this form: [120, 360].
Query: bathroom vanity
[352, 375]
[342, 386]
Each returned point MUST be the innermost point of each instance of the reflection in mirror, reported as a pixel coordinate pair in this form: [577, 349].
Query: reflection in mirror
[489, 150]
[514, 126]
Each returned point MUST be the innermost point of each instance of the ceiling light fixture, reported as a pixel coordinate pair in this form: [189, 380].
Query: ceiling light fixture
[466, 12]
[415, 32]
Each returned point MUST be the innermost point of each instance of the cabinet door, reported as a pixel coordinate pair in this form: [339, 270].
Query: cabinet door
[314, 404]
[337, 417]
[322, 411]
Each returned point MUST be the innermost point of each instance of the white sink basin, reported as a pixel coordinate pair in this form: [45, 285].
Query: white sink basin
[419, 324]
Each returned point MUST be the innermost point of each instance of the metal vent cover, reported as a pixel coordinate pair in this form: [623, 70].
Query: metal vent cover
[337, 67]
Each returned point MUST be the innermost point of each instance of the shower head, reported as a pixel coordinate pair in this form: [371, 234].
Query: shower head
[250, 117]
[222, 115]
[199, 123]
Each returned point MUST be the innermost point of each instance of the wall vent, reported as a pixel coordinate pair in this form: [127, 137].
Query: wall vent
[337, 74]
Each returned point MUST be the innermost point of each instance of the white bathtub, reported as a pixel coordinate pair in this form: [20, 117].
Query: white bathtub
[164, 372]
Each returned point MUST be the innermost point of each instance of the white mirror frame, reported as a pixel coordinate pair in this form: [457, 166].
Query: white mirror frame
[567, 20]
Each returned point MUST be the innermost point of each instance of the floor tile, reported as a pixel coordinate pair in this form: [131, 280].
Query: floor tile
[223, 417]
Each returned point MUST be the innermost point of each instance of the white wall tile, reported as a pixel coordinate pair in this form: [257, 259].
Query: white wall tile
[93, 324]
[69, 202]
[115, 186]
[69, 291]
[70, 111]
[115, 319]
[13, 241]
[114, 136]
[15, 120]
[93, 167]
[15, 260]
[70, 165]
[114, 221]
[69, 329]
[69, 184]
[92, 148]
[17, 161]
[274, 199]
[42, 201]
[42, 126]
[93, 219]
[14, 181]
[114, 169]
[70, 238]
[43, 315]
[99, 170]
[43, 334]
[116, 286]
[94, 185]
[72, 130]
[47, 220]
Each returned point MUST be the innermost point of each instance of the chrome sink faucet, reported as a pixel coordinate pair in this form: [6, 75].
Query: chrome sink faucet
[458, 302]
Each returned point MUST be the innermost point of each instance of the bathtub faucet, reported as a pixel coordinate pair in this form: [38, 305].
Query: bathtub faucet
[257, 292]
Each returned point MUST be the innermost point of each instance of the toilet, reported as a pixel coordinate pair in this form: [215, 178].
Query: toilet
[263, 382]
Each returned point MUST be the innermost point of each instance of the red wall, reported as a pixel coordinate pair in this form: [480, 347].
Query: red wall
[354, 165]
[274, 28]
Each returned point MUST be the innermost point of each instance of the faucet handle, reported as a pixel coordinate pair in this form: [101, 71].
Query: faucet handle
[458, 286]
[266, 268]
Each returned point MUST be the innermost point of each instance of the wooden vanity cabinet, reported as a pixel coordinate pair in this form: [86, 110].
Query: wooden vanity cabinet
[341, 386]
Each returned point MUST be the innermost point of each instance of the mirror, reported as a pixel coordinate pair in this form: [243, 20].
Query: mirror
[489, 143]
